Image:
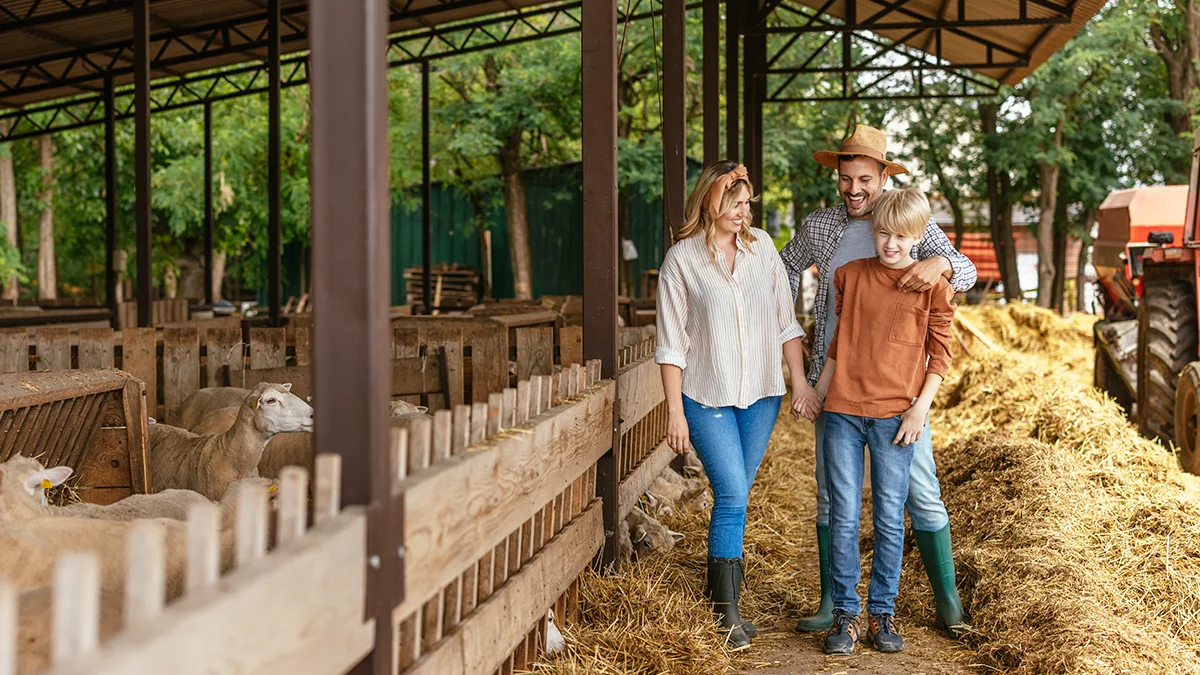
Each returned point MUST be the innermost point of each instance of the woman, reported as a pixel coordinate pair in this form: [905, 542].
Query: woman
[724, 315]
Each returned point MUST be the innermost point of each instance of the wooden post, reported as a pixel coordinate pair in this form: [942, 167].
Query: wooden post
[599, 46]
[712, 81]
[141, 158]
[351, 245]
[674, 128]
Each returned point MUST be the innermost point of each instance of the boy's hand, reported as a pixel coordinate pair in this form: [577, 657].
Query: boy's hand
[806, 402]
[912, 422]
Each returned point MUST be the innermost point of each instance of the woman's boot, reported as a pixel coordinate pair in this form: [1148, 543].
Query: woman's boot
[749, 628]
[823, 619]
[723, 591]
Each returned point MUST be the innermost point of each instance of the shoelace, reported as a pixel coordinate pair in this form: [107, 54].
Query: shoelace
[886, 623]
[844, 622]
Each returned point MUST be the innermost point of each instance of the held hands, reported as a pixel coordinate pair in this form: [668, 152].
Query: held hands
[677, 433]
[923, 275]
[806, 402]
[912, 423]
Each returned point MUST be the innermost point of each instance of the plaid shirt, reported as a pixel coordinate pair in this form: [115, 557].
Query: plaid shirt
[815, 242]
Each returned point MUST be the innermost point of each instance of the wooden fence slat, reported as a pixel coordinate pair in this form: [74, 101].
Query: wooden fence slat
[268, 348]
[292, 504]
[570, 345]
[495, 412]
[479, 421]
[224, 349]
[76, 606]
[535, 395]
[14, 350]
[420, 444]
[328, 497]
[203, 546]
[450, 340]
[489, 362]
[461, 429]
[95, 348]
[399, 440]
[508, 412]
[181, 368]
[53, 348]
[251, 524]
[139, 357]
[304, 346]
[443, 422]
[523, 402]
[146, 578]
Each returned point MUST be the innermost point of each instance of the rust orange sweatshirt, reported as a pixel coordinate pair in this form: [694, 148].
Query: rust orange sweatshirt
[882, 339]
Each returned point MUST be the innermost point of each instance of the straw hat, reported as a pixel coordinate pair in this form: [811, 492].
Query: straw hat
[866, 142]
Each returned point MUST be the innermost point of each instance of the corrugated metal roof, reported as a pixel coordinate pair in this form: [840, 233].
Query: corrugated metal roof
[968, 45]
[49, 50]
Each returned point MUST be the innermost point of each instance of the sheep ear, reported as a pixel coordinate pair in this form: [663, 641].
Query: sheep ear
[422, 409]
[47, 478]
[287, 386]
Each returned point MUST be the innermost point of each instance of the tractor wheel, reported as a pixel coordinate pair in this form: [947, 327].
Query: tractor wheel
[1187, 409]
[1167, 343]
[1108, 380]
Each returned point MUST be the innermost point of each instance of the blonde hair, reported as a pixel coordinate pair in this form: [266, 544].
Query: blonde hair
[903, 212]
[697, 219]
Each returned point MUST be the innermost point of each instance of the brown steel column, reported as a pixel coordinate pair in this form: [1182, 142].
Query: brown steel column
[110, 199]
[426, 198]
[350, 250]
[674, 128]
[141, 158]
[754, 90]
[274, 222]
[733, 136]
[712, 81]
[208, 205]
[599, 45]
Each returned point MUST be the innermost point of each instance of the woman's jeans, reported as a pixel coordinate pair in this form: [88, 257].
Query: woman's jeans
[845, 436]
[731, 443]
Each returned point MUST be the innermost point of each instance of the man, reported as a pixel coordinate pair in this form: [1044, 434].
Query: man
[830, 238]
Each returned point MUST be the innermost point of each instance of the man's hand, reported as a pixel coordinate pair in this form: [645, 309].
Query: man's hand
[806, 402]
[912, 423]
[924, 274]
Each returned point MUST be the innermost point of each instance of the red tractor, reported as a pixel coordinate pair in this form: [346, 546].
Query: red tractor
[1146, 346]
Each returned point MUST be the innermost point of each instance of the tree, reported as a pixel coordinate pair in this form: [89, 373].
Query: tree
[1175, 34]
[47, 265]
[8, 212]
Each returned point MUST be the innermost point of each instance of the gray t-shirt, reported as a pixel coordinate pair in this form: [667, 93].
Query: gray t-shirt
[858, 242]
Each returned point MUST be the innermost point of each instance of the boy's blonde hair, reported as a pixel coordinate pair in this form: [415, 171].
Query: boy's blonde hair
[904, 212]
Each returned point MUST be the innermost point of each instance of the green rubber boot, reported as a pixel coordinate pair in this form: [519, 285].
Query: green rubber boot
[939, 565]
[823, 619]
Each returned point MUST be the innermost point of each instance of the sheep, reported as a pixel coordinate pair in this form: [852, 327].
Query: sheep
[30, 502]
[648, 536]
[209, 463]
[203, 402]
[292, 449]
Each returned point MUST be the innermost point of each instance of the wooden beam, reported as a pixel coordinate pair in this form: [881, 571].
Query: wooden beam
[482, 642]
[641, 390]
[496, 489]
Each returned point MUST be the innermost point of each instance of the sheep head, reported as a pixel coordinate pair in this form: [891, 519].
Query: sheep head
[23, 483]
[278, 410]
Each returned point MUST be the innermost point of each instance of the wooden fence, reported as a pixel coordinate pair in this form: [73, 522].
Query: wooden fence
[501, 519]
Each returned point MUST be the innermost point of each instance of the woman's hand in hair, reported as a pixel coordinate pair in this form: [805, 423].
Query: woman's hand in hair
[677, 433]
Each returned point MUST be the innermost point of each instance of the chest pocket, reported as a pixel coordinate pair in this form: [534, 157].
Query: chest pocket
[909, 325]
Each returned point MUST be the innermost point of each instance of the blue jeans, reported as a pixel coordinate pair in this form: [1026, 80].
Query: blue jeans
[845, 436]
[924, 503]
[731, 443]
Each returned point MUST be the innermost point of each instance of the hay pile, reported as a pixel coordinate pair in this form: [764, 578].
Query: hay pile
[1078, 541]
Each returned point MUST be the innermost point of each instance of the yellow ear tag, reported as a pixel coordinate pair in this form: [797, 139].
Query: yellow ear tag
[46, 484]
[256, 404]
[271, 489]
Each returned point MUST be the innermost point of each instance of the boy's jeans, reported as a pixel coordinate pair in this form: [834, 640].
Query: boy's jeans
[731, 443]
[845, 436]
[924, 493]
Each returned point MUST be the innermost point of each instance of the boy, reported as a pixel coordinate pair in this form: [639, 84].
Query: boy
[878, 396]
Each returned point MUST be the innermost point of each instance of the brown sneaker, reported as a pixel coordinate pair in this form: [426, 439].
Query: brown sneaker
[842, 634]
[881, 633]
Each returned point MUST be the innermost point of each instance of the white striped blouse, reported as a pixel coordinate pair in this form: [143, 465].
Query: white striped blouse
[726, 331]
